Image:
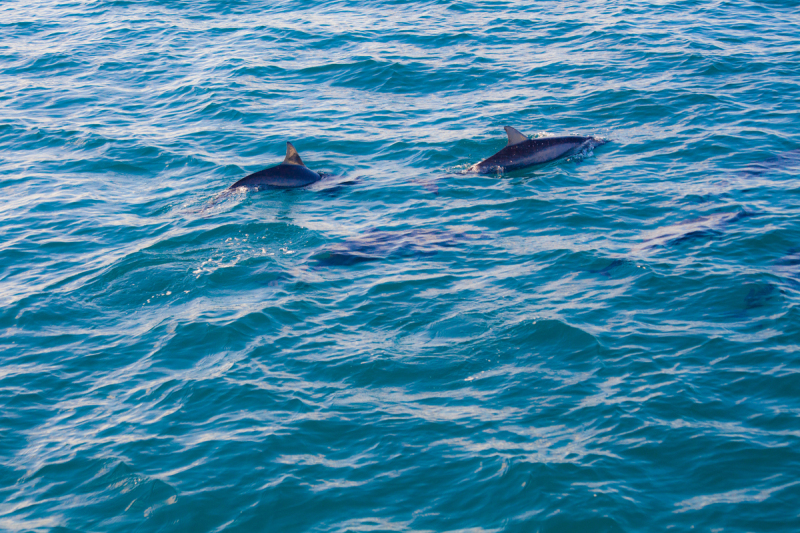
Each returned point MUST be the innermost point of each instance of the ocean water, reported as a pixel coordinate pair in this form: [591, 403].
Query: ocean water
[606, 343]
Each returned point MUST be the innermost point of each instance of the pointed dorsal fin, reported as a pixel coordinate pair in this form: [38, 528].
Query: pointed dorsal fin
[292, 157]
[514, 137]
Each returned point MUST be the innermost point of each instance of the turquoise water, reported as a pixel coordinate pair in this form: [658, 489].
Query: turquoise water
[610, 342]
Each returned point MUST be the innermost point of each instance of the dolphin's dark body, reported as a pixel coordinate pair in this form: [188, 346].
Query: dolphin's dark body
[522, 152]
[289, 174]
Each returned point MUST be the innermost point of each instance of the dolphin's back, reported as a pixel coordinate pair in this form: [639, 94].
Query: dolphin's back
[283, 176]
[530, 152]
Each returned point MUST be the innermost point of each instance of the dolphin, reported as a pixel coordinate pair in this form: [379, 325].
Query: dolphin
[786, 160]
[704, 227]
[523, 152]
[291, 173]
[375, 245]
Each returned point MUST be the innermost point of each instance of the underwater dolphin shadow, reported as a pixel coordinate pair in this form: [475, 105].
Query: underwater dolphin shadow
[377, 245]
[785, 160]
[759, 294]
[713, 225]
[707, 226]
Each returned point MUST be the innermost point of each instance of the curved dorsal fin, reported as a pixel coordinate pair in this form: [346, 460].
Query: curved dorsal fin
[514, 137]
[292, 157]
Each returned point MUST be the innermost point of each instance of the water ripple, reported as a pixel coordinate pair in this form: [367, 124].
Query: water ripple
[604, 343]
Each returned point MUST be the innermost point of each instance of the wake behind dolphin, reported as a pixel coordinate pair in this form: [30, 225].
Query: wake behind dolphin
[523, 152]
[289, 174]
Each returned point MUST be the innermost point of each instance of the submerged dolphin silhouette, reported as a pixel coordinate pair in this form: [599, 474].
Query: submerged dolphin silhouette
[523, 152]
[704, 227]
[375, 245]
[291, 173]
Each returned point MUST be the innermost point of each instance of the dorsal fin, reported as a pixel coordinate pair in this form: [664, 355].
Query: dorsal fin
[514, 137]
[292, 157]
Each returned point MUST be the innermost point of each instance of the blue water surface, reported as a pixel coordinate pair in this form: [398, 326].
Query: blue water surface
[606, 343]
